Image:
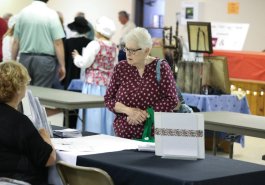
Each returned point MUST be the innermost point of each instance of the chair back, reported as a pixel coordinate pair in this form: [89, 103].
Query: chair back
[9, 181]
[78, 175]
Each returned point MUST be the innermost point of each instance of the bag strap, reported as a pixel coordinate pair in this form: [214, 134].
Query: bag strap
[158, 78]
[158, 74]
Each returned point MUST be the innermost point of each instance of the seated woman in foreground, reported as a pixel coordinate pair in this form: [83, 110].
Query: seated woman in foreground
[134, 87]
[25, 152]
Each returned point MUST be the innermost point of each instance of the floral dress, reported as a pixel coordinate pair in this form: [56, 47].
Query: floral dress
[97, 77]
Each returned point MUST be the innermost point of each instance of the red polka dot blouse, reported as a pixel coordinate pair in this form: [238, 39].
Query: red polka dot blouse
[129, 88]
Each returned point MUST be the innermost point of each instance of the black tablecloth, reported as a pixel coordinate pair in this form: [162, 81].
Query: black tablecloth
[131, 167]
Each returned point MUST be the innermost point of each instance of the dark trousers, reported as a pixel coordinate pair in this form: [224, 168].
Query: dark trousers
[41, 68]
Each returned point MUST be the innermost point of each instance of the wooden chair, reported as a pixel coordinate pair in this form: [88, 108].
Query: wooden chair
[78, 175]
[9, 181]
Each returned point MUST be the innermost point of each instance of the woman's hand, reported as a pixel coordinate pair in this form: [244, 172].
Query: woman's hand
[75, 53]
[62, 72]
[46, 137]
[136, 116]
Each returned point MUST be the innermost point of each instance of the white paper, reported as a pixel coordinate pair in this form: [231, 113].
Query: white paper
[94, 144]
[35, 112]
[30, 105]
[146, 146]
[181, 147]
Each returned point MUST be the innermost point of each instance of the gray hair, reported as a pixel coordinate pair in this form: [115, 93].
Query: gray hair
[124, 14]
[141, 36]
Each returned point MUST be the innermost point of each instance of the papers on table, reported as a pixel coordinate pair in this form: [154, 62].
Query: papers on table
[68, 149]
[146, 146]
[67, 133]
[36, 112]
[94, 144]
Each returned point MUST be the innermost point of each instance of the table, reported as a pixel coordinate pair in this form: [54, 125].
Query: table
[232, 122]
[68, 149]
[66, 100]
[244, 65]
[211, 103]
[205, 103]
[131, 167]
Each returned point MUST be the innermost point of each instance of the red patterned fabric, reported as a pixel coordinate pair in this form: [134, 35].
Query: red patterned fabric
[3, 29]
[102, 68]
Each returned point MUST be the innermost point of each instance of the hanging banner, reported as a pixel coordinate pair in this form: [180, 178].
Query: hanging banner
[229, 36]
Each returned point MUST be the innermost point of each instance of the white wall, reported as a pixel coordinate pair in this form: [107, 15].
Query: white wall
[12, 6]
[93, 10]
[251, 12]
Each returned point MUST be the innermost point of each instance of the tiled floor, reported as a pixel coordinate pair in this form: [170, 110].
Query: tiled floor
[252, 152]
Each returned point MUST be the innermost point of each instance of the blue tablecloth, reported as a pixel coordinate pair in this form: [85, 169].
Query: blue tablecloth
[75, 85]
[210, 103]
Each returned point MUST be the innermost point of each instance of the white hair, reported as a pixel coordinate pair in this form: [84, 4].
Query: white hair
[141, 36]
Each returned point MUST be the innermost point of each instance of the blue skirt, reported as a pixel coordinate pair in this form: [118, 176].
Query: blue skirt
[98, 120]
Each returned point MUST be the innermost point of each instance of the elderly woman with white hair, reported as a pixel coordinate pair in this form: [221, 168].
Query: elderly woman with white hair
[98, 58]
[134, 87]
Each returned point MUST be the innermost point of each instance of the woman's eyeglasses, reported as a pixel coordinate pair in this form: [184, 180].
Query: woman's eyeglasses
[131, 51]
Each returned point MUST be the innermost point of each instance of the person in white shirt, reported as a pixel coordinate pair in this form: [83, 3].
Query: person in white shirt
[127, 27]
[8, 39]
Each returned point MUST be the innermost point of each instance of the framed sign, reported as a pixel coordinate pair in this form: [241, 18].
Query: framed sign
[229, 36]
[200, 37]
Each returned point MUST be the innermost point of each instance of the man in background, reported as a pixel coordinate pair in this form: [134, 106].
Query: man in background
[38, 38]
[127, 27]
[3, 29]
